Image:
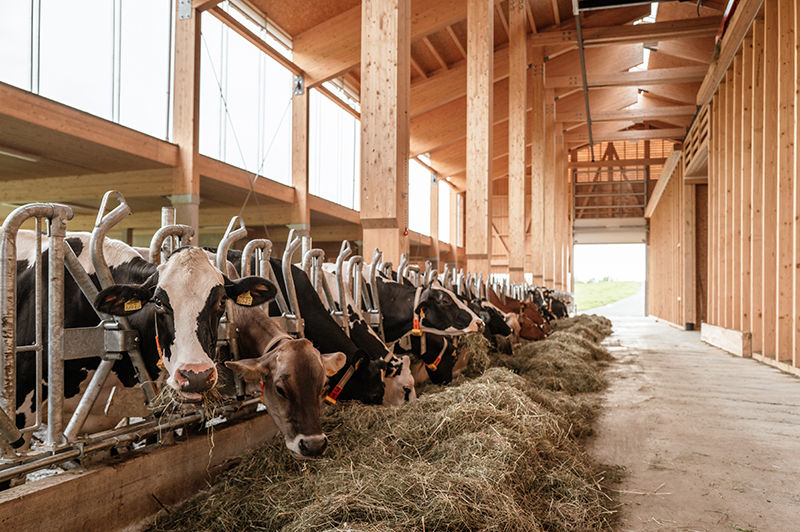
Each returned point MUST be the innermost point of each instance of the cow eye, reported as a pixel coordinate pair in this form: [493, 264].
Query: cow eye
[281, 391]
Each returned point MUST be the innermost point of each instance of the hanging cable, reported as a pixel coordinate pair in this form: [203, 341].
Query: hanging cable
[251, 184]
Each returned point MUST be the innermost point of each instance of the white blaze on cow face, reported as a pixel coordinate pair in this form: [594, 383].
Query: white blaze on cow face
[196, 294]
[399, 386]
[445, 296]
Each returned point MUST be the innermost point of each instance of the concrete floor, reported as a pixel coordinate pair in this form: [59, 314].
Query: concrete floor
[709, 441]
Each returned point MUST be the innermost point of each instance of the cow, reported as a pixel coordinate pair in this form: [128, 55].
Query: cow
[539, 296]
[292, 374]
[174, 308]
[532, 325]
[365, 382]
[395, 381]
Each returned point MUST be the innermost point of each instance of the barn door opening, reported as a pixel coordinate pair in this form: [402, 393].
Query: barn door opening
[610, 279]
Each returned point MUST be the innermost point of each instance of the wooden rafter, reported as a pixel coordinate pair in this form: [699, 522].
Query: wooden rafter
[630, 135]
[499, 9]
[456, 41]
[686, 74]
[432, 49]
[556, 14]
[633, 115]
[418, 68]
[529, 14]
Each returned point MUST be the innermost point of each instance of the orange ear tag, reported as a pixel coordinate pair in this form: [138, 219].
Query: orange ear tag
[415, 328]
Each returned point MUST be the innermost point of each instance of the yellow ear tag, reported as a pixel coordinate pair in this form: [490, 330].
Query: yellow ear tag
[421, 314]
[132, 304]
[244, 299]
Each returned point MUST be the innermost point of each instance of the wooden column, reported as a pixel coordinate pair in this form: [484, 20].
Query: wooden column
[559, 211]
[548, 252]
[728, 191]
[796, 194]
[736, 195]
[435, 253]
[517, 113]
[301, 214]
[713, 215]
[385, 78]
[480, 56]
[687, 239]
[756, 192]
[745, 180]
[537, 138]
[784, 240]
[769, 176]
[186, 122]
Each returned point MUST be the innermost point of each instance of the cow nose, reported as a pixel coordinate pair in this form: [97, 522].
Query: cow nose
[196, 378]
[313, 445]
[407, 391]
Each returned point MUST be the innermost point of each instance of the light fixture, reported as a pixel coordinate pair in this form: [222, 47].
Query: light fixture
[16, 154]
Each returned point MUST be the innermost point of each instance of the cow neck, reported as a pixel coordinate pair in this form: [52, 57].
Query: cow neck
[337, 390]
[398, 326]
[276, 342]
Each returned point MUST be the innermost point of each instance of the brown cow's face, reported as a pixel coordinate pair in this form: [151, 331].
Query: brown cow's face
[294, 376]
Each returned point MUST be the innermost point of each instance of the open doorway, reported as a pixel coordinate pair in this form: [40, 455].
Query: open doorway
[610, 279]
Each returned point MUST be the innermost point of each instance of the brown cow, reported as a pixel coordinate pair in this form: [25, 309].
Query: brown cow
[532, 325]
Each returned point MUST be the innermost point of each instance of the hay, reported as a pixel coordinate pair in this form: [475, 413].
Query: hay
[497, 452]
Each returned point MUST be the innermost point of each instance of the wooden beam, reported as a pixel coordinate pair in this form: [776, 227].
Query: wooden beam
[301, 215]
[529, 14]
[418, 68]
[617, 163]
[255, 40]
[633, 115]
[631, 135]
[334, 46]
[186, 124]
[386, 61]
[330, 208]
[688, 74]
[738, 25]
[736, 195]
[556, 14]
[434, 52]
[640, 33]
[786, 152]
[744, 181]
[673, 160]
[517, 113]
[480, 53]
[202, 5]
[237, 177]
[538, 148]
[756, 176]
[769, 184]
[456, 41]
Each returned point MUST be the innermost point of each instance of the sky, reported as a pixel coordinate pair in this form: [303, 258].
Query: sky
[620, 262]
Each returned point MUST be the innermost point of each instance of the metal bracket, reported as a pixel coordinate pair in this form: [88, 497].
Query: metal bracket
[298, 85]
[185, 9]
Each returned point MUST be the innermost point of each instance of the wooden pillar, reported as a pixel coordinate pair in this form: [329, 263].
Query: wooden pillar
[756, 192]
[769, 176]
[385, 78]
[745, 178]
[548, 253]
[301, 214]
[186, 122]
[786, 150]
[538, 144]
[558, 204]
[796, 194]
[727, 213]
[480, 56]
[517, 114]
[435, 253]
[688, 247]
[713, 215]
[736, 196]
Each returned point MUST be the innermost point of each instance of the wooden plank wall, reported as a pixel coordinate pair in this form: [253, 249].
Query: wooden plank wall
[752, 199]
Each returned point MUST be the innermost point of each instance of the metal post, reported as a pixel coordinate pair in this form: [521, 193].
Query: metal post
[57, 230]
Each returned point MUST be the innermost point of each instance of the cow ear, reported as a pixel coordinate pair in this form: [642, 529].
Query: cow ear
[251, 369]
[250, 291]
[333, 362]
[122, 299]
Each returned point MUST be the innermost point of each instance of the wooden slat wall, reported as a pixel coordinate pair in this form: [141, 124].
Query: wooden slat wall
[753, 198]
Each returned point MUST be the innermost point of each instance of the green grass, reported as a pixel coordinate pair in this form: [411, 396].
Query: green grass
[591, 295]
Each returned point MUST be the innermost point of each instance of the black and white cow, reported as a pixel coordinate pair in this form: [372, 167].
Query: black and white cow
[183, 298]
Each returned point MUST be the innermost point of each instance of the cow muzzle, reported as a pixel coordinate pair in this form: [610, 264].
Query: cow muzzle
[195, 378]
[312, 445]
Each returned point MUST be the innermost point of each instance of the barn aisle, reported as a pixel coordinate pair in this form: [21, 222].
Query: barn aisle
[709, 441]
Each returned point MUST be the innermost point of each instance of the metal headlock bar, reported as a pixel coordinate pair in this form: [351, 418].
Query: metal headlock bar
[341, 315]
[164, 241]
[292, 322]
[228, 332]
[372, 303]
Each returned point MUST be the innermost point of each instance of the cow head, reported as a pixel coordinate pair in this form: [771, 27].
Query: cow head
[493, 317]
[442, 312]
[178, 307]
[399, 382]
[294, 376]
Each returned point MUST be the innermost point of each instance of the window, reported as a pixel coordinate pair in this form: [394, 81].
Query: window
[444, 210]
[459, 220]
[110, 58]
[334, 152]
[419, 198]
[245, 104]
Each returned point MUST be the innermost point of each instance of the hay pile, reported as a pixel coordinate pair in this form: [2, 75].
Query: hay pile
[497, 452]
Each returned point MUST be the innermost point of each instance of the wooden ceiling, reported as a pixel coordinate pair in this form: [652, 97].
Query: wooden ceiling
[679, 56]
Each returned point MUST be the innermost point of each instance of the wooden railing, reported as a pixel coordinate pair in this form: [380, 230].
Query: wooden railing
[695, 146]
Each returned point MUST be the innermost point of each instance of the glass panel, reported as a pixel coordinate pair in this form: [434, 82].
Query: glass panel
[444, 211]
[211, 111]
[144, 69]
[77, 54]
[419, 198]
[275, 148]
[15, 43]
[334, 148]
